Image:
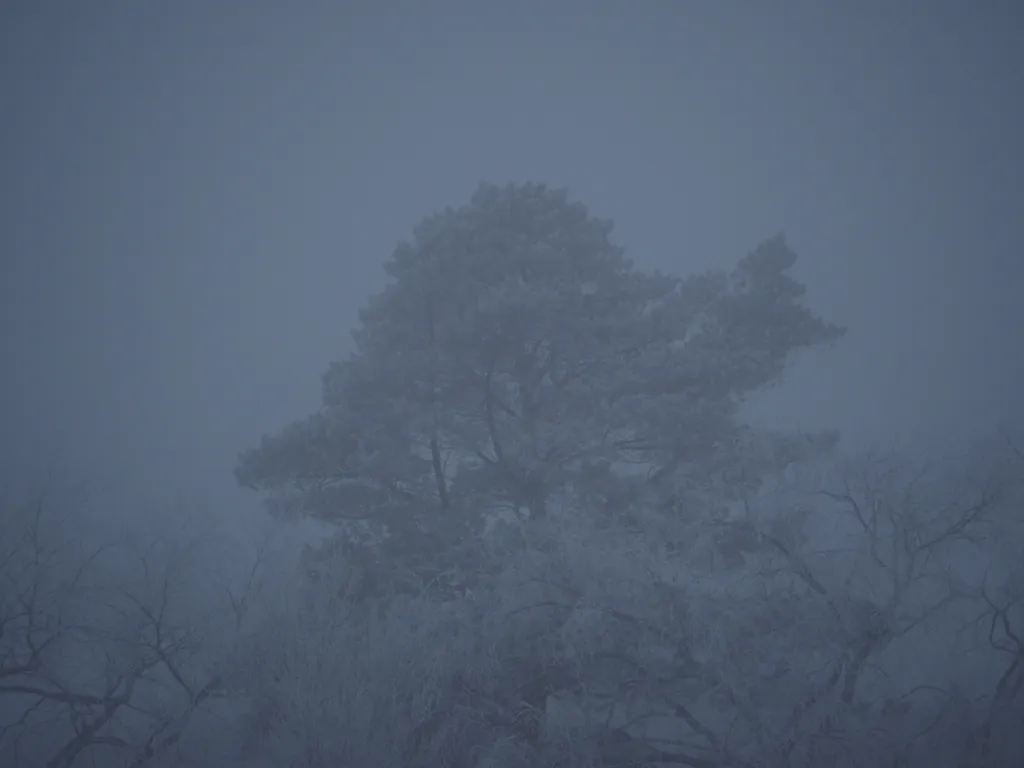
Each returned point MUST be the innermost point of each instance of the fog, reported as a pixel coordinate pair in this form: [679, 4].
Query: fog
[198, 197]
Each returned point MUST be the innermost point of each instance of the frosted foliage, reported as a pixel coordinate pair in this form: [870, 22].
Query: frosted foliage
[592, 642]
[554, 541]
[516, 338]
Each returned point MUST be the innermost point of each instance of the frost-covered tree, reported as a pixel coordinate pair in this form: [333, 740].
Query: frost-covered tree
[517, 357]
[524, 406]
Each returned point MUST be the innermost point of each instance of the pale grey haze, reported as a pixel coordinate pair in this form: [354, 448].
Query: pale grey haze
[198, 196]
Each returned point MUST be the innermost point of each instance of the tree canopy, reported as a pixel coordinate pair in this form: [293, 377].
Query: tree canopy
[514, 356]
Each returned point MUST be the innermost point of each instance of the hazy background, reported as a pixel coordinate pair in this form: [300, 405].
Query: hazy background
[197, 195]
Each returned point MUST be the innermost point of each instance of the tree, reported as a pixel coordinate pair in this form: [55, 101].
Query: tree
[112, 646]
[521, 402]
[515, 353]
[858, 601]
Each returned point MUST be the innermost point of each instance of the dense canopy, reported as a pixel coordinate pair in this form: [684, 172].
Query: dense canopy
[515, 356]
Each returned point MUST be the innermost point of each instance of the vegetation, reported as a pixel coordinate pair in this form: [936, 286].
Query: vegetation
[553, 542]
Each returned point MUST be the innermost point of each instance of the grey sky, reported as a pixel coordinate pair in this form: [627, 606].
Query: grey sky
[197, 196]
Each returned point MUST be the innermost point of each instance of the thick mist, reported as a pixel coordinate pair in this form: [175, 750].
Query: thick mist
[198, 198]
